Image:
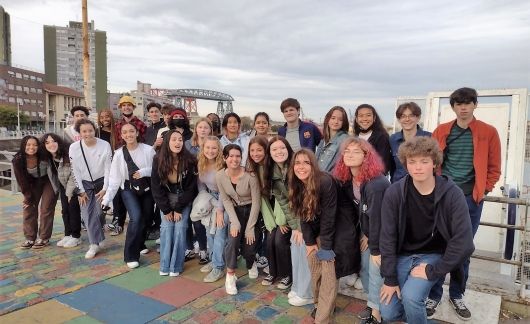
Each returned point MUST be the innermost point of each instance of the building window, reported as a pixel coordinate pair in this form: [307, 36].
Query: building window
[19, 75]
[39, 101]
[11, 73]
[19, 88]
[40, 80]
[12, 99]
[11, 86]
[32, 77]
[34, 101]
[32, 90]
[26, 89]
[26, 77]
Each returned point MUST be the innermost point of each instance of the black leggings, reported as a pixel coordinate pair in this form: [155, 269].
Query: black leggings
[71, 214]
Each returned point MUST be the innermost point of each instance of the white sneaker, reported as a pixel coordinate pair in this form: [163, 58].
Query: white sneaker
[174, 274]
[144, 251]
[72, 242]
[157, 241]
[299, 301]
[230, 284]
[163, 273]
[253, 272]
[64, 240]
[351, 279]
[133, 264]
[358, 284]
[207, 268]
[92, 251]
[291, 294]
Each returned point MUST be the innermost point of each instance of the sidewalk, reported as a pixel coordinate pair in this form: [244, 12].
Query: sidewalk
[57, 285]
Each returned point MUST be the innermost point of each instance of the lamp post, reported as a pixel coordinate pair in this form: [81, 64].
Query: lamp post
[18, 117]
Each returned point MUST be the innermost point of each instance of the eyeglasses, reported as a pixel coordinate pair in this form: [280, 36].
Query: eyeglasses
[408, 117]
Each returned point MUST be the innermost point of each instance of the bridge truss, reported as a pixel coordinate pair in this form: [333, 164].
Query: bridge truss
[187, 99]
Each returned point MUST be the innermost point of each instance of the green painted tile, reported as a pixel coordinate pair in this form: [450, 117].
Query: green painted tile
[55, 283]
[283, 320]
[83, 320]
[224, 308]
[139, 279]
[180, 314]
[281, 301]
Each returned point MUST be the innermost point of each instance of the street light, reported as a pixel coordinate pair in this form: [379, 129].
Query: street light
[18, 116]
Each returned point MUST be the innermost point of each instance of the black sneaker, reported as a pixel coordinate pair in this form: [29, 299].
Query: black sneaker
[285, 283]
[370, 320]
[190, 255]
[430, 307]
[267, 281]
[314, 313]
[460, 309]
[365, 314]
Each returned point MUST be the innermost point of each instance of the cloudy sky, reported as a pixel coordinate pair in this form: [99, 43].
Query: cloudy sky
[324, 53]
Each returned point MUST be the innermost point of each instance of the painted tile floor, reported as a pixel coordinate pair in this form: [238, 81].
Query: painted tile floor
[56, 285]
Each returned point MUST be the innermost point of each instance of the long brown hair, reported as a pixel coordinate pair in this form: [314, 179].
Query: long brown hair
[112, 127]
[167, 162]
[303, 198]
[345, 123]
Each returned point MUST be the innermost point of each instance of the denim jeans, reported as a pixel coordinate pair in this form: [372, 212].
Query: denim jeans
[138, 208]
[371, 279]
[217, 243]
[173, 242]
[455, 290]
[414, 291]
[301, 274]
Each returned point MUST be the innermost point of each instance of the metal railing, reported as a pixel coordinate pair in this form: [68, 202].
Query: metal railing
[7, 172]
[523, 250]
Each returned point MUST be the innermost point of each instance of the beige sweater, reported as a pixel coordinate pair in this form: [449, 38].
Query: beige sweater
[247, 192]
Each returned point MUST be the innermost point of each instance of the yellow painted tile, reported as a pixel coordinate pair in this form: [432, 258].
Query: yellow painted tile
[55, 313]
[27, 291]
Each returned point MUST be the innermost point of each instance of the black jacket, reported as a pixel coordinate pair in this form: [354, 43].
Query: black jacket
[323, 225]
[152, 131]
[347, 232]
[381, 143]
[451, 220]
[372, 193]
[187, 186]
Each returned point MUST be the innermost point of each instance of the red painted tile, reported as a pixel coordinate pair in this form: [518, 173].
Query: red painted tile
[268, 297]
[178, 292]
[355, 307]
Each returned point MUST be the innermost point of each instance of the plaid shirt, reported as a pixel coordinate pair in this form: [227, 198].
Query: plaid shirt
[139, 125]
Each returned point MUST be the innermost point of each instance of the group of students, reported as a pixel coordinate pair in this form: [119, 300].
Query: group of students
[311, 218]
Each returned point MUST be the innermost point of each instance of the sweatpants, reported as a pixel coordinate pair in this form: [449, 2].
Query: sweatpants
[279, 253]
[41, 192]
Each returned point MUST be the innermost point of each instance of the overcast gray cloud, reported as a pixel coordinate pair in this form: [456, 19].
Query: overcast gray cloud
[324, 53]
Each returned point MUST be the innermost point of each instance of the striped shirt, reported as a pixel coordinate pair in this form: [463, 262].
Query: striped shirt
[458, 159]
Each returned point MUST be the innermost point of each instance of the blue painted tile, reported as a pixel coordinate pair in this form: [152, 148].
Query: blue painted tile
[6, 282]
[244, 296]
[110, 304]
[266, 313]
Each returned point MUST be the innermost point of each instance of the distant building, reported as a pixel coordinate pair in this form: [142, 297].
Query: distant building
[143, 97]
[59, 101]
[24, 88]
[5, 37]
[63, 59]
[112, 103]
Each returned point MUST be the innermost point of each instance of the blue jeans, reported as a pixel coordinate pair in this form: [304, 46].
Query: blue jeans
[138, 207]
[371, 279]
[414, 291]
[217, 243]
[173, 242]
[455, 290]
[301, 274]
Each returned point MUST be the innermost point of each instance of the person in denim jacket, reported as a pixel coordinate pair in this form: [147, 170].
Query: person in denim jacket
[335, 130]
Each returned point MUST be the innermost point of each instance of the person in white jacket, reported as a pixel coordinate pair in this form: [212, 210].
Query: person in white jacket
[90, 159]
[131, 171]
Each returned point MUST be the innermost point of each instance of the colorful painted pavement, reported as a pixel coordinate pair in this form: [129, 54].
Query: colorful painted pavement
[57, 285]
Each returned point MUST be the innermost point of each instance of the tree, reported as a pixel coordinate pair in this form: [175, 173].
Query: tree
[8, 117]
[246, 123]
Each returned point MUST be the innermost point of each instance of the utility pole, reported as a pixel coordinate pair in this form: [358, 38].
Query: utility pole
[86, 57]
